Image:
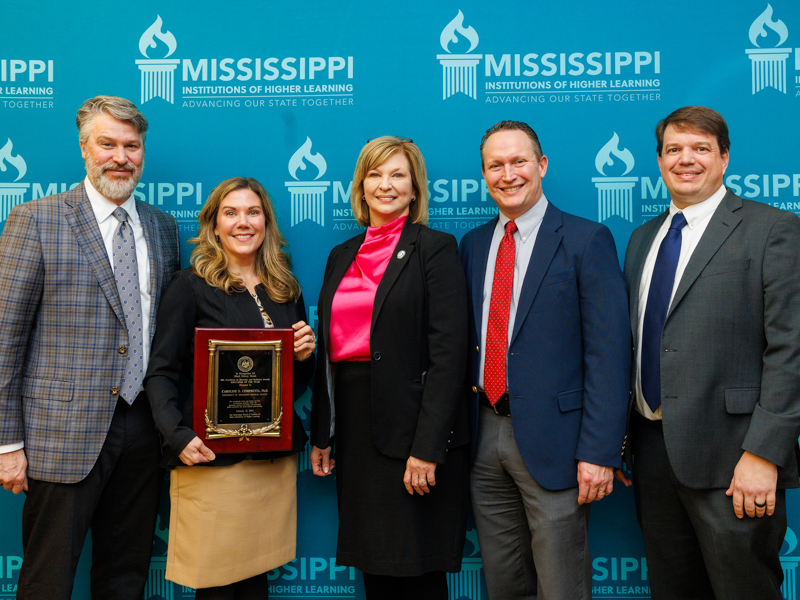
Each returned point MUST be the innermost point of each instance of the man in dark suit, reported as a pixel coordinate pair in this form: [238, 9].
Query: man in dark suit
[81, 275]
[714, 288]
[550, 363]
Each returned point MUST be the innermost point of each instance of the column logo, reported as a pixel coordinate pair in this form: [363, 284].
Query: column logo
[614, 194]
[467, 583]
[11, 193]
[307, 196]
[158, 74]
[459, 71]
[768, 65]
[789, 563]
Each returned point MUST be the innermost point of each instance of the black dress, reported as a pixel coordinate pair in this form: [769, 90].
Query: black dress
[409, 399]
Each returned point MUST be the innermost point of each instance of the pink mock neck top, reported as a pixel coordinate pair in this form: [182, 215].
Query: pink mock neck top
[351, 312]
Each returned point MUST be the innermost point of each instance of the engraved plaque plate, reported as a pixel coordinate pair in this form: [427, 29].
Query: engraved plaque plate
[243, 389]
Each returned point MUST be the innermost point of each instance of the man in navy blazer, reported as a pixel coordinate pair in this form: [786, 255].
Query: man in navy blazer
[548, 446]
[76, 431]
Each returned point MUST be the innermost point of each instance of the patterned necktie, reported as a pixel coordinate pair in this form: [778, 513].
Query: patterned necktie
[494, 372]
[126, 274]
[655, 314]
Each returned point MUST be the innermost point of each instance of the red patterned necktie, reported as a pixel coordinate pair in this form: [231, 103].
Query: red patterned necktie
[494, 370]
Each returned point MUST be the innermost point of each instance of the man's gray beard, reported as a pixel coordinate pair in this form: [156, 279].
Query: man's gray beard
[113, 189]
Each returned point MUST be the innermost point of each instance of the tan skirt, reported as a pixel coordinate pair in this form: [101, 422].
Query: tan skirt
[231, 523]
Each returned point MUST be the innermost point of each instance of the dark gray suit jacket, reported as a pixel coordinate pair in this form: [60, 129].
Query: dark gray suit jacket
[730, 360]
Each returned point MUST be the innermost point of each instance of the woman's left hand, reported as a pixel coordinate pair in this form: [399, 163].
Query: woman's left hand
[304, 341]
[419, 476]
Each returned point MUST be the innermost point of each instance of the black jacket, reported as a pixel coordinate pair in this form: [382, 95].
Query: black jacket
[418, 347]
[190, 302]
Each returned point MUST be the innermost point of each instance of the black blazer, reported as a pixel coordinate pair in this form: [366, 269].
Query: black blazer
[190, 302]
[418, 347]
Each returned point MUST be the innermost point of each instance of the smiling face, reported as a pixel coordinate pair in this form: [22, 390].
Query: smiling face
[512, 172]
[114, 157]
[389, 190]
[240, 225]
[691, 165]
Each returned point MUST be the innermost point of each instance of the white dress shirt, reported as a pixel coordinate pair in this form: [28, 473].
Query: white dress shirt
[103, 209]
[697, 217]
[525, 238]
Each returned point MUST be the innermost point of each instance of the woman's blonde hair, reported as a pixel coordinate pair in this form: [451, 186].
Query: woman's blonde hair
[374, 154]
[273, 263]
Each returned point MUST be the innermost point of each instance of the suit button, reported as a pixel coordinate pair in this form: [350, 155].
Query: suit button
[376, 355]
[474, 389]
[114, 391]
[477, 348]
[122, 350]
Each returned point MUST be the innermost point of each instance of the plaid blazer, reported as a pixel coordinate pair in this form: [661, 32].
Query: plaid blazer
[61, 324]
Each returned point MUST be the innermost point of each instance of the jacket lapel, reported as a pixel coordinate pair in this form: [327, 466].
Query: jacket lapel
[722, 224]
[544, 249]
[479, 257]
[397, 262]
[153, 255]
[84, 224]
[638, 267]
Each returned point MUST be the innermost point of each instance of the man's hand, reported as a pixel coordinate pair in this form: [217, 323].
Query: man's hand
[595, 482]
[753, 486]
[14, 471]
[321, 462]
[196, 452]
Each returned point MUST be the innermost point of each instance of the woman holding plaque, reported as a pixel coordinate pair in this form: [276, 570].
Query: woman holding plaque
[233, 516]
[390, 383]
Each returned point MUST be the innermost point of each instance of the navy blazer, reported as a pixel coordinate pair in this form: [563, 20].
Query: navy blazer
[570, 350]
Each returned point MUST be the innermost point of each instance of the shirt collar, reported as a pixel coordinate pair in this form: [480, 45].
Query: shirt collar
[103, 207]
[528, 221]
[696, 213]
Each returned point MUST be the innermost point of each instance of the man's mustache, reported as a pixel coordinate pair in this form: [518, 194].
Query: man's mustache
[112, 166]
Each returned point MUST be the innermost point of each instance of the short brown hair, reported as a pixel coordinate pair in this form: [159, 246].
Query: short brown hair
[273, 264]
[119, 108]
[376, 152]
[695, 118]
[513, 126]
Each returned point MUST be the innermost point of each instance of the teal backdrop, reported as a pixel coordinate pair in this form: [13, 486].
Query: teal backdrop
[289, 92]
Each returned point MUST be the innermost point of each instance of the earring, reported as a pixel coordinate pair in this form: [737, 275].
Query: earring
[217, 238]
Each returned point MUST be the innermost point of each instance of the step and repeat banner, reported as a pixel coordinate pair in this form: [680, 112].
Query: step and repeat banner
[289, 93]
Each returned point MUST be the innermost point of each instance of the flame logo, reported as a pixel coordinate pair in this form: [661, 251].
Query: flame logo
[472, 538]
[16, 161]
[154, 31]
[303, 405]
[791, 541]
[765, 18]
[304, 153]
[457, 25]
[603, 158]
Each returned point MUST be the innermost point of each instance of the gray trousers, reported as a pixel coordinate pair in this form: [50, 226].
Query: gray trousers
[534, 541]
[696, 547]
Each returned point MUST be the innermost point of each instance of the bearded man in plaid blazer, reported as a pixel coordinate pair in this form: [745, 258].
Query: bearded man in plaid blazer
[76, 432]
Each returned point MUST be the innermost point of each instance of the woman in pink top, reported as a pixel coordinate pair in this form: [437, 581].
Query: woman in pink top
[389, 390]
